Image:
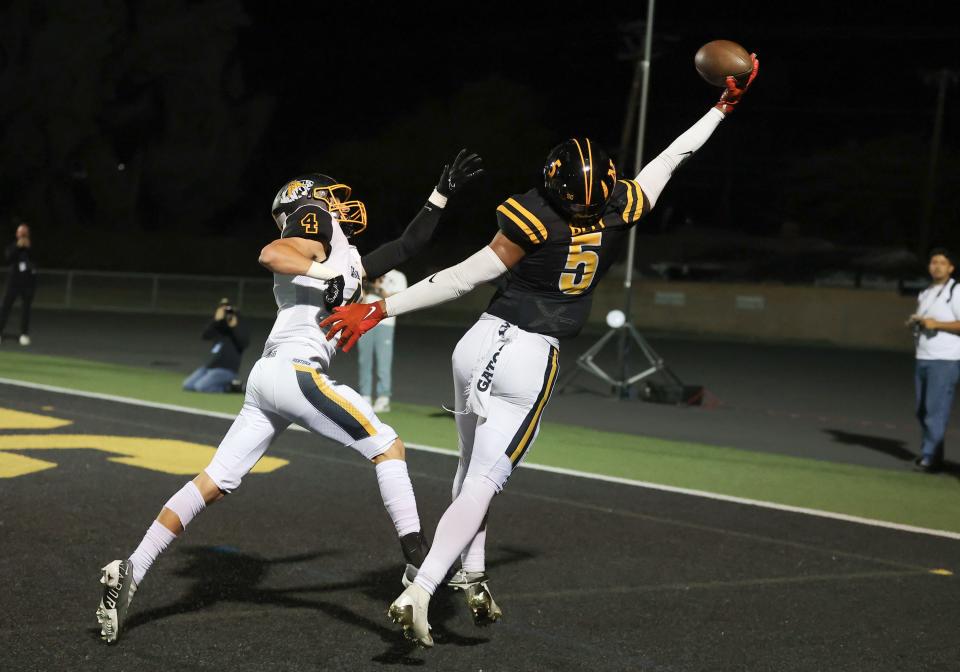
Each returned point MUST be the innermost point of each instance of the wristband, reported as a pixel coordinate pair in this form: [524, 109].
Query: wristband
[438, 199]
[321, 272]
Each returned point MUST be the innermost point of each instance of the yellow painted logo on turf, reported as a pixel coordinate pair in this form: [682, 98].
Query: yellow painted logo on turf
[169, 456]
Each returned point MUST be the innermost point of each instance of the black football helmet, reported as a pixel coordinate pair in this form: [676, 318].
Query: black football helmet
[331, 195]
[579, 177]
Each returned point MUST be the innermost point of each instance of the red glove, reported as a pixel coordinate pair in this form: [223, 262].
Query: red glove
[352, 322]
[733, 94]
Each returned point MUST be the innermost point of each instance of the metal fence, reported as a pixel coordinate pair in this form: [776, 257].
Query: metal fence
[152, 292]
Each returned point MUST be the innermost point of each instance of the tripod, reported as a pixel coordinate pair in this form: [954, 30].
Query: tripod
[620, 322]
[622, 386]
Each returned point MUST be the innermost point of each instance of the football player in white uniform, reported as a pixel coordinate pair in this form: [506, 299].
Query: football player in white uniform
[557, 241]
[315, 269]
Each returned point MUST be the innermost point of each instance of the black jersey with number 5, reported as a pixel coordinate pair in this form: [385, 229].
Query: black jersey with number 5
[549, 291]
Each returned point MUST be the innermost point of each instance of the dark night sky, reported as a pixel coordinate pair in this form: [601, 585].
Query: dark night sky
[212, 105]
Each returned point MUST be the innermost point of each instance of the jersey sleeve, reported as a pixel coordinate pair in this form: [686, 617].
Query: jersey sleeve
[309, 221]
[629, 202]
[517, 219]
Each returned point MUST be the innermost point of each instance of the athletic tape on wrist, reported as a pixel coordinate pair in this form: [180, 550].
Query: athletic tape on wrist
[321, 272]
[438, 199]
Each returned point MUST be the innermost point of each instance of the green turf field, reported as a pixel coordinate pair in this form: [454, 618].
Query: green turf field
[896, 496]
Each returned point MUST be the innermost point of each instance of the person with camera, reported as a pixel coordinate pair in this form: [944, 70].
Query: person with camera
[223, 367]
[21, 282]
[936, 332]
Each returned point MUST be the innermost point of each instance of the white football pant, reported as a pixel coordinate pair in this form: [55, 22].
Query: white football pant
[285, 388]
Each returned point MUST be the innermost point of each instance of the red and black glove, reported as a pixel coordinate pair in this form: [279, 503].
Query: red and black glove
[351, 322]
[734, 92]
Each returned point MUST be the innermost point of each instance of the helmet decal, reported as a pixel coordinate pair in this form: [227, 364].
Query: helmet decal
[295, 189]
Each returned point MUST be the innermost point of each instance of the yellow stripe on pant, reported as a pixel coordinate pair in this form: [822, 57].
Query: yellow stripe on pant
[534, 419]
[327, 391]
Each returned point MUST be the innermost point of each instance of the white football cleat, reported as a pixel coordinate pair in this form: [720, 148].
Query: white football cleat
[410, 611]
[118, 590]
[409, 574]
[483, 608]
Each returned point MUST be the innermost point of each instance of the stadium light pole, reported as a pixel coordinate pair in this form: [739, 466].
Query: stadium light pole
[638, 158]
[623, 328]
[644, 65]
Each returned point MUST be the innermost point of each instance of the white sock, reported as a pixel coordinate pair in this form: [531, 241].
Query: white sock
[397, 493]
[474, 558]
[457, 527]
[187, 502]
[154, 542]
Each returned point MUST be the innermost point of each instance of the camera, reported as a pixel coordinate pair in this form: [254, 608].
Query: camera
[228, 309]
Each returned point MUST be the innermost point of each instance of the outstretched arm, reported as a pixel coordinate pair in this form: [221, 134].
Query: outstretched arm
[419, 232]
[655, 175]
[487, 264]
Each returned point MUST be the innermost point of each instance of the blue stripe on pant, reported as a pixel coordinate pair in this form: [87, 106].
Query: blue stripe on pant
[935, 381]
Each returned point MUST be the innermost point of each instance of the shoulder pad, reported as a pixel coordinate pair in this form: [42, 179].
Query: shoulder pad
[521, 218]
[309, 221]
[629, 201]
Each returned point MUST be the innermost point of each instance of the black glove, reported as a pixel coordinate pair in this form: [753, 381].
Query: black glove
[333, 294]
[463, 169]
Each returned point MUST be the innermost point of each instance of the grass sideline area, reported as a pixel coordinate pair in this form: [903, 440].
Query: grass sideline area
[895, 496]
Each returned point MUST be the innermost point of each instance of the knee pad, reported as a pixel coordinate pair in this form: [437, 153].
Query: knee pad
[496, 474]
[481, 486]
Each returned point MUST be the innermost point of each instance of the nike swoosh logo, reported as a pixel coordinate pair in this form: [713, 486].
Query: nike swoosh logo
[372, 310]
[432, 277]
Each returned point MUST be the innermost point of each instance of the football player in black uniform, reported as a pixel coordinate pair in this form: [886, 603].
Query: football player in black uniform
[557, 241]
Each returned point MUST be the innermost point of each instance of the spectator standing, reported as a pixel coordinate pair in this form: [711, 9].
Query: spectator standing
[21, 282]
[936, 328]
[223, 367]
[378, 345]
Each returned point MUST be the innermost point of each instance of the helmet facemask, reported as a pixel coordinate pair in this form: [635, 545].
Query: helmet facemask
[350, 214]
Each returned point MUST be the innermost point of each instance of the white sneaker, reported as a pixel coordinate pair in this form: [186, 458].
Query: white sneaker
[476, 591]
[410, 611]
[24, 339]
[118, 590]
[381, 405]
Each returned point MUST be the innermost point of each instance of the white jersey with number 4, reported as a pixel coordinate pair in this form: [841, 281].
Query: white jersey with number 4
[300, 303]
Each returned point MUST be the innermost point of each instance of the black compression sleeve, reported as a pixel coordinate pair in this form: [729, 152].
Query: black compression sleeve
[414, 238]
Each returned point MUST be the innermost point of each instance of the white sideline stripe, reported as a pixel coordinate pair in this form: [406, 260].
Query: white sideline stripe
[537, 467]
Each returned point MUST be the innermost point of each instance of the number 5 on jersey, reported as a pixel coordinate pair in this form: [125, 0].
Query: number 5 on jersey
[581, 266]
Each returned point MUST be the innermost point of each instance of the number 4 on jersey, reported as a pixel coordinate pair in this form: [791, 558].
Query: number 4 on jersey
[310, 224]
[581, 266]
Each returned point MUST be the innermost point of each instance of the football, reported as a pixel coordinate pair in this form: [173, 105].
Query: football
[717, 60]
